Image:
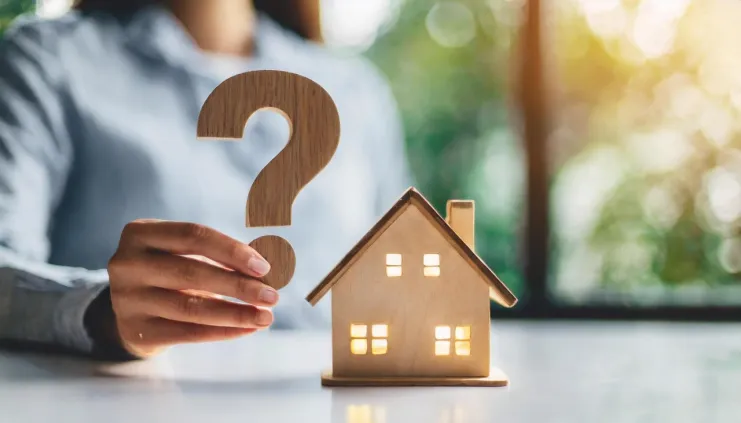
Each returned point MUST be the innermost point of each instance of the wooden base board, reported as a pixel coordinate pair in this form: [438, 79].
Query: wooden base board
[496, 378]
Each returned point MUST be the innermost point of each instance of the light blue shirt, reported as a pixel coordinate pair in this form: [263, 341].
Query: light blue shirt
[97, 128]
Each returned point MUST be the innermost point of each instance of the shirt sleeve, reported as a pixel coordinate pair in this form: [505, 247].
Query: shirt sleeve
[39, 302]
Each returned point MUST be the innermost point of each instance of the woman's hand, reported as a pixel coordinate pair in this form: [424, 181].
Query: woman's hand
[166, 279]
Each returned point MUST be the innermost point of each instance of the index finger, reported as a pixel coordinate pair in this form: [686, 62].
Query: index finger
[192, 238]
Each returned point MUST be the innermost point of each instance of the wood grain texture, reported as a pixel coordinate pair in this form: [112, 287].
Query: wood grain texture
[334, 275]
[496, 378]
[280, 254]
[315, 134]
[499, 291]
[460, 215]
[412, 305]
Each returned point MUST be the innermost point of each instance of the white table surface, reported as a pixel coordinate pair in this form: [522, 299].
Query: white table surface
[560, 372]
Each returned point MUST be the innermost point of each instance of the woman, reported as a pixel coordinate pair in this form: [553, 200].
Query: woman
[97, 131]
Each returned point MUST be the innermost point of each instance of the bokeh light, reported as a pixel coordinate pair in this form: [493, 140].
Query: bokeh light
[647, 189]
[356, 24]
[451, 24]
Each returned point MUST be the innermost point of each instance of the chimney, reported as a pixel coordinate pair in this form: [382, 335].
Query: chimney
[461, 219]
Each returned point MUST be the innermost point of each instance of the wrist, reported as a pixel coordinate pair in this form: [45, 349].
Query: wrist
[100, 324]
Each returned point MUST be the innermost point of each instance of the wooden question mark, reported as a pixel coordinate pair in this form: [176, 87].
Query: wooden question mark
[315, 134]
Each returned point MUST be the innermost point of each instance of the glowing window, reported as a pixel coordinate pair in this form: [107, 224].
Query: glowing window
[393, 265]
[462, 340]
[432, 271]
[442, 332]
[431, 259]
[380, 331]
[358, 331]
[463, 333]
[358, 343]
[462, 348]
[442, 347]
[359, 346]
[431, 265]
[378, 339]
[379, 346]
[393, 271]
[393, 259]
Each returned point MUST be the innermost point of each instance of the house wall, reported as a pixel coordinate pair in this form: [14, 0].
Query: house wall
[411, 305]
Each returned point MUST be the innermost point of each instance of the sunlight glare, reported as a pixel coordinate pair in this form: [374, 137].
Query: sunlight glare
[729, 255]
[724, 194]
[52, 8]
[597, 174]
[660, 151]
[661, 208]
[352, 23]
[610, 23]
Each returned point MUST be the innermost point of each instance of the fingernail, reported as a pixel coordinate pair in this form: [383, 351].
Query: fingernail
[264, 318]
[268, 295]
[258, 265]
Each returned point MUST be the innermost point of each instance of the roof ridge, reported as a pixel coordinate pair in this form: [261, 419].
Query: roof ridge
[503, 296]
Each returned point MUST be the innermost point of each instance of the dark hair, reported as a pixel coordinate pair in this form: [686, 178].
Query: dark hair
[299, 16]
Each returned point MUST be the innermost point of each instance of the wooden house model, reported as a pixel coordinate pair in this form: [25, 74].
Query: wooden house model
[410, 302]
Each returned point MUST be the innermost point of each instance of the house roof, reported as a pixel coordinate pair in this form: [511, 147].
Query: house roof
[498, 290]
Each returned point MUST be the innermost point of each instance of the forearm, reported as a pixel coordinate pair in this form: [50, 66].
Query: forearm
[39, 303]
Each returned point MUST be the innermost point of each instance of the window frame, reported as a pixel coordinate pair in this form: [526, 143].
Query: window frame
[434, 269]
[392, 264]
[370, 337]
[448, 336]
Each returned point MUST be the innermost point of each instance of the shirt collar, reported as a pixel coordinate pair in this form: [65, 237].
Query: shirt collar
[153, 31]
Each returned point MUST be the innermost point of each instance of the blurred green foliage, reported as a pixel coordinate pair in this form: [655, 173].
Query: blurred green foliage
[9, 9]
[453, 103]
[645, 151]
[648, 184]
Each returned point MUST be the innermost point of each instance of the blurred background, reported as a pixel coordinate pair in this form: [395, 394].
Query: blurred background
[601, 140]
